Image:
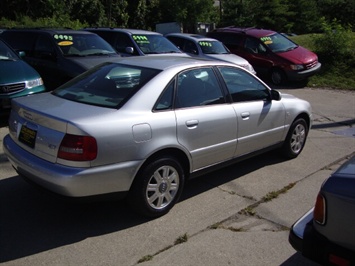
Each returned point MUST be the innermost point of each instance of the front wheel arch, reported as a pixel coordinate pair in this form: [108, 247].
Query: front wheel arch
[278, 76]
[296, 138]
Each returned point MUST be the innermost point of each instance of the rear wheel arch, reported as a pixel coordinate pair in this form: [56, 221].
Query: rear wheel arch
[159, 183]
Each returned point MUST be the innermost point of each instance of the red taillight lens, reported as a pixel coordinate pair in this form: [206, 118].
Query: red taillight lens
[78, 148]
[319, 213]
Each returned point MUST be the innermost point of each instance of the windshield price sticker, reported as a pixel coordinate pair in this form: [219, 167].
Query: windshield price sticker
[205, 44]
[266, 40]
[140, 39]
[28, 136]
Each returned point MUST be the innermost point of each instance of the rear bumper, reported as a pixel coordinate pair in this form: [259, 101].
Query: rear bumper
[314, 246]
[71, 181]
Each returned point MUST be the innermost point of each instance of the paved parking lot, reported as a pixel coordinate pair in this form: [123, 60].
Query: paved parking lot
[223, 218]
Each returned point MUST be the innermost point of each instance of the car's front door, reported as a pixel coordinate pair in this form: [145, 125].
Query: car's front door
[261, 120]
[206, 124]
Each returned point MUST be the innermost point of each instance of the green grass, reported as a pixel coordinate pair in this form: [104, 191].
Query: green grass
[336, 75]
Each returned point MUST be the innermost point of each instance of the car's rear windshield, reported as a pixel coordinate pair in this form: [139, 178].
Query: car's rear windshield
[77, 44]
[107, 85]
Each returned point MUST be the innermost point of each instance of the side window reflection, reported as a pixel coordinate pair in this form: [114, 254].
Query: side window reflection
[198, 87]
[243, 86]
[165, 101]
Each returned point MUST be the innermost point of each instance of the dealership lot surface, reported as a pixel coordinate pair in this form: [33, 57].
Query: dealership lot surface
[222, 218]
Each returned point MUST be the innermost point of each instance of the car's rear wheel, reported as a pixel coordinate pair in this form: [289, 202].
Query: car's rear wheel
[277, 76]
[296, 139]
[157, 187]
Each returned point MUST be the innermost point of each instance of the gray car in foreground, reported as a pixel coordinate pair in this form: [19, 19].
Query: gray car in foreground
[141, 126]
[326, 233]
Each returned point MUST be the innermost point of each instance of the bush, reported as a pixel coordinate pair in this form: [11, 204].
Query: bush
[336, 45]
[62, 21]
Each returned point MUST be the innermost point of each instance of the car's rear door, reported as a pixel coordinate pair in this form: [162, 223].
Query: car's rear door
[206, 124]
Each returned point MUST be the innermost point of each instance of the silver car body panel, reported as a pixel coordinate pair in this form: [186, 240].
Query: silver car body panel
[128, 136]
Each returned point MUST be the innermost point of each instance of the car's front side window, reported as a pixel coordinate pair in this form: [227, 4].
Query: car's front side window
[242, 86]
[198, 87]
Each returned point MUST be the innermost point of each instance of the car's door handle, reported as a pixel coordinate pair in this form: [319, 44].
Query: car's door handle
[245, 115]
[191, 123]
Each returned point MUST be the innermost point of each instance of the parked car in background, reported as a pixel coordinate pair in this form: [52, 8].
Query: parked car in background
[271, 54]
[17, 78]
[208, 48]
[143, 125]
[59, 54]
[133, 42]
[326, 233]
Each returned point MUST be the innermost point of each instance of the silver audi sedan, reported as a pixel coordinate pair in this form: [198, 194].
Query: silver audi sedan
[141, 126]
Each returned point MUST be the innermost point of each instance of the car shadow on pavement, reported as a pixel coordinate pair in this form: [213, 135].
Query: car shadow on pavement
[33, 221]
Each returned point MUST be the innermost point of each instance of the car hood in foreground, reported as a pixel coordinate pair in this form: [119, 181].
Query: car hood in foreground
[16, 72]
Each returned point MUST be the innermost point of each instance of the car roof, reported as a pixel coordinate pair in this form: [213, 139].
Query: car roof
[50, 30]
[130, 31]
[346, 169]
[255, 32]
[165, 62]
[192, 37]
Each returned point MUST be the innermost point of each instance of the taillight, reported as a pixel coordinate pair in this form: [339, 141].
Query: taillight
[319, 213]
[77, 148]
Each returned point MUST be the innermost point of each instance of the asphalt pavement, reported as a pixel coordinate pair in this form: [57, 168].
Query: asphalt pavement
[240, 215]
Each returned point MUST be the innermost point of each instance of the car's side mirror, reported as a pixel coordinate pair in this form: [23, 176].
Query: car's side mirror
[275, 95]
[129, 50]
[21, 54]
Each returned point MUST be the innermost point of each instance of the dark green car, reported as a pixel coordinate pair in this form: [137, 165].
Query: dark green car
[17, 78]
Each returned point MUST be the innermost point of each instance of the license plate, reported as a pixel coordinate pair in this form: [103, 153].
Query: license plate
[28, 136]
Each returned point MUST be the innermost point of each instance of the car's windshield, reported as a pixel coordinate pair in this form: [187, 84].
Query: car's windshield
[155, 44]
[6, 53]
[278, 43]
[77, 44]
[108, 85]
[213, 47]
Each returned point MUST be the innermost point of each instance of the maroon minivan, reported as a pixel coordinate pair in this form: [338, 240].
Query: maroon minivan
[270, 53]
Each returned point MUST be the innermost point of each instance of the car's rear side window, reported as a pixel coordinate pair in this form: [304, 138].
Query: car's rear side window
[107, 85]
[20, 41]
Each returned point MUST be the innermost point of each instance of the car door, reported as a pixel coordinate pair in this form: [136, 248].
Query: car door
[257, 54]
[47, 61]
[206, 124]
[261, 120]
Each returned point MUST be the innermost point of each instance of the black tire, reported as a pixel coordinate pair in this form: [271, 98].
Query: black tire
[157, 187]
[296, 139]
[277, 76]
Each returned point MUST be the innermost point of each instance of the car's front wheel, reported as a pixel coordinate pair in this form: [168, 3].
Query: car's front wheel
[296, 139]
[277, 76]
[157, 187]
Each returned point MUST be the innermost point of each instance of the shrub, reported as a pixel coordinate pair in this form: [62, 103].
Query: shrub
[336, 44]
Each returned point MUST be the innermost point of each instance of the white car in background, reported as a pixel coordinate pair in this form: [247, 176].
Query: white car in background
[200, 46]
